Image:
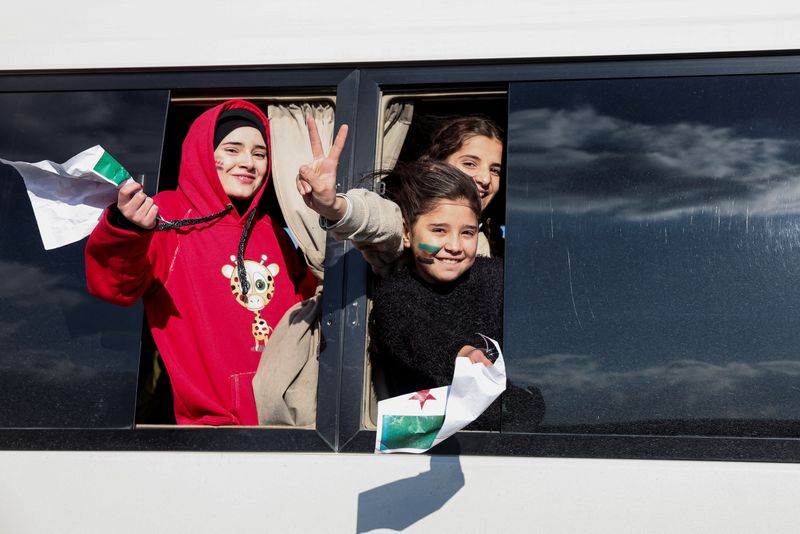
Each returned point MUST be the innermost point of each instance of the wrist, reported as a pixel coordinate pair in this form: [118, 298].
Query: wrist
[339, 211]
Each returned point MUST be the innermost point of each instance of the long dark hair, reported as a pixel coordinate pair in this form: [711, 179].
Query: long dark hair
[453, 133]
[447, 139]
[425, 183]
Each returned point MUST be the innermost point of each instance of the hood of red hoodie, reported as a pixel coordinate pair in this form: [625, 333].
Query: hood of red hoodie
[198, 178]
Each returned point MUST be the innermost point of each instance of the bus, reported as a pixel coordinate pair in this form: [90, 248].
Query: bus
[650, 206]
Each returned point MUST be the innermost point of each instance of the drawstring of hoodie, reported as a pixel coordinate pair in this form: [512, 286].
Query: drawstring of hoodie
[240, 253]
[171, 225]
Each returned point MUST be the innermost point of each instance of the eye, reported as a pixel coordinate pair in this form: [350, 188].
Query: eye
[468, 233]
[495, 171]
[260, 156]
[469, 164]
[259, 283]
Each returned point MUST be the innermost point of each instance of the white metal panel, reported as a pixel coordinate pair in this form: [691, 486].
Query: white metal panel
[135, 492]
[39, 34]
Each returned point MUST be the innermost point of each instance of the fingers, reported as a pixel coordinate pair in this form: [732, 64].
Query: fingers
[316, 143]
[465, 350]
[474, 355]
[128, 189]
[338, 143]
[478, 356]
[307, 176]
[313, 136]
[136, 206]
[303, 186]
[147, 214]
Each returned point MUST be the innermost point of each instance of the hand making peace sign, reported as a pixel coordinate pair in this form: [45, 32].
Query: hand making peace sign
[317, 182]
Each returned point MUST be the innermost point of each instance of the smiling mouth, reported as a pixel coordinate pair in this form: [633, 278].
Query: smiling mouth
[450, 261]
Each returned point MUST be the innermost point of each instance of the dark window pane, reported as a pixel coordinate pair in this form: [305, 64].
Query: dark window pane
[653, 248]
[66, 359]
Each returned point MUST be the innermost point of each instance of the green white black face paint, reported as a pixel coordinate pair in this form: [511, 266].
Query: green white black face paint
[425, 253]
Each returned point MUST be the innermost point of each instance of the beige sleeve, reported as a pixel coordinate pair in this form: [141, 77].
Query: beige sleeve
[375, 226]
[285, 384]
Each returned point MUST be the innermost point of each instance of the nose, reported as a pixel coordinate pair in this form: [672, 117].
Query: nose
[246, 160]
[453, 243]
[482, 178]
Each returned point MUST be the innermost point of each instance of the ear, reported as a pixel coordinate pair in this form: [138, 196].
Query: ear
[227, 270]
[406, 236]
[273, 269]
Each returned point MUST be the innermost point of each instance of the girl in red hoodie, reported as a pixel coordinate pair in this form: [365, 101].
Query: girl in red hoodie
[220, 274]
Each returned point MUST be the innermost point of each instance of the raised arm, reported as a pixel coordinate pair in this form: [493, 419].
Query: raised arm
[371, 222]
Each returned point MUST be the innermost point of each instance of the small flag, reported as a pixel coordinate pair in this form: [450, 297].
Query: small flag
[69, 198]
[417, 421]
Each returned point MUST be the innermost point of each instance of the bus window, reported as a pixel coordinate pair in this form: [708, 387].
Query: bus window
[652, 251]
[289, 144]
[409, 123]
[66, 358]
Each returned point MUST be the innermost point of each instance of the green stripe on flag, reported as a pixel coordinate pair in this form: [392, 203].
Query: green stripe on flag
[110, 169]
[410, 431]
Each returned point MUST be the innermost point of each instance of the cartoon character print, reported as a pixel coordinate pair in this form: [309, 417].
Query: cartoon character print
[261, 279]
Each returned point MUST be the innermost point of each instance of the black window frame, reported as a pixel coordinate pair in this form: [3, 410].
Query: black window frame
[341, 379]
[175, 438]
[372, 83]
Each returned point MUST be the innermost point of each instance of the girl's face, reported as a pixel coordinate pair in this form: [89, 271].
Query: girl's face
[443, 241]
[480, 157]
[241, 160]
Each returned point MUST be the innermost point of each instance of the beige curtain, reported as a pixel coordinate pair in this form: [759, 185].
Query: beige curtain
[285, 384]
[290, 149]
[397, 120]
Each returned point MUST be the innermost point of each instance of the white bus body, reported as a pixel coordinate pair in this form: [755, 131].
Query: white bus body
[136, 491]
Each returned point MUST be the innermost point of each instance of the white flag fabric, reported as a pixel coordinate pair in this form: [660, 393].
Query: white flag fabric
[417, 421]
[69, 198]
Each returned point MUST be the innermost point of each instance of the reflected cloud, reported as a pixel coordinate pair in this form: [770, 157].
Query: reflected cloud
[584, 162]
[579, 386]
[26, 287]
[38, 365]
[126, 123]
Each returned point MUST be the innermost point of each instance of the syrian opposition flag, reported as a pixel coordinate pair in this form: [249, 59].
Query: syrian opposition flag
[69, 198]
[417, 421]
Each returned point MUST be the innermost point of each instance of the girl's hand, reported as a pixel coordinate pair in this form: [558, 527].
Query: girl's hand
[317, 182]
[474, 355]
[136, 206]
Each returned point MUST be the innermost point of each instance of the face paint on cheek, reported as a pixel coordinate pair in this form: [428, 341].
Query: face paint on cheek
[218, 163]
[425, 253]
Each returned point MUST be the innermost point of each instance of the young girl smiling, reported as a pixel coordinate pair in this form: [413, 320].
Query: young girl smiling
[440, 301]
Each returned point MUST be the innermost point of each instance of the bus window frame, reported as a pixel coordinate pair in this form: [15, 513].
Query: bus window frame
[344, 317]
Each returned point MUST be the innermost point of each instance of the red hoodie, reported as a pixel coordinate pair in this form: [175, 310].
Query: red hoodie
[188, 279]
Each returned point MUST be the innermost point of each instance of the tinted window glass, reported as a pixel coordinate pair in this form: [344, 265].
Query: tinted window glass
[653, 248]
[66, 359]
